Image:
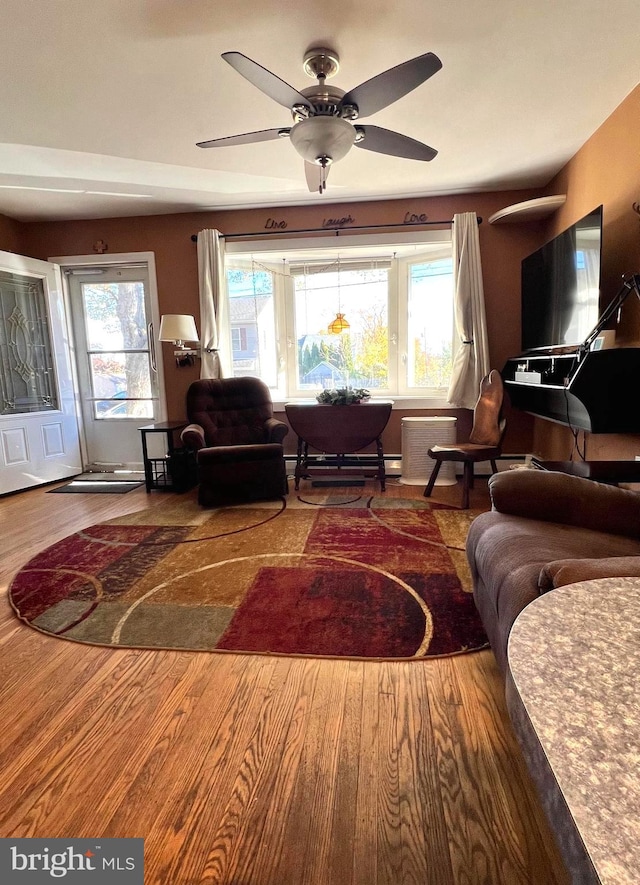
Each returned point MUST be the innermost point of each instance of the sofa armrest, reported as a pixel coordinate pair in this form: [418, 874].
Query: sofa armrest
[192, 437]
[276, 430]
[570, 571]
[570, 500]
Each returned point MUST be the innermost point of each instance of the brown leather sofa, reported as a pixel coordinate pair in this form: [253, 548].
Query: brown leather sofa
[546, 530]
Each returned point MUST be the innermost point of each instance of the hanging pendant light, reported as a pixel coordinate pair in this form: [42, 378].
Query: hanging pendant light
[339, 325]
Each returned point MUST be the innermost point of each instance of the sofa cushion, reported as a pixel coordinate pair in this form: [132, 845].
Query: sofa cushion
[503, 547]
[570, 571]
[571, 500]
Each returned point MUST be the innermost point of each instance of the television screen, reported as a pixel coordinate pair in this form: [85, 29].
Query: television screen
[561, 286]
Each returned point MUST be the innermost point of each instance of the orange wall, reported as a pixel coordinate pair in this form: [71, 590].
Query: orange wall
[606, 170]
[10, 235]
[169, 237]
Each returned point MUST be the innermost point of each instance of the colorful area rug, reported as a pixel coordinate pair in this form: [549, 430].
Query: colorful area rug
[359, 577]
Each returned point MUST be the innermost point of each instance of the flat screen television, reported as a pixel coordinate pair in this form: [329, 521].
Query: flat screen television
[561, 286]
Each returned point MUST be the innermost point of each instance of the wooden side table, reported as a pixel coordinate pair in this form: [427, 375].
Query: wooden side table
[337, 432]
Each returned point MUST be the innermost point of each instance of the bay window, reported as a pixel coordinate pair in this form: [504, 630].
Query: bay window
[394, 303]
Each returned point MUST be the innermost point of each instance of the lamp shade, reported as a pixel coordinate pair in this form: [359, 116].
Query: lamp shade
[317, 138]
[338, 325]
[178, 327]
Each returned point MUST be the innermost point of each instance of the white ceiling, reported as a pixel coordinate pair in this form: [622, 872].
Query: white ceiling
[112, 96]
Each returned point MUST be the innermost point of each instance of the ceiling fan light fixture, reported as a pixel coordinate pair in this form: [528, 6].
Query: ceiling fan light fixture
[322, 138]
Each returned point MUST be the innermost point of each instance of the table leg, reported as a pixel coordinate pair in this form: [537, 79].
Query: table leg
[381, 471]
[299, 457]
[148, 476]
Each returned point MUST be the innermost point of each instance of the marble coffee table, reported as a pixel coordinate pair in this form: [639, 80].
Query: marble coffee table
[574, 699]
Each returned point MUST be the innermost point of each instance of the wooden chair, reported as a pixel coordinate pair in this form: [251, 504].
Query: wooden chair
[485, 440]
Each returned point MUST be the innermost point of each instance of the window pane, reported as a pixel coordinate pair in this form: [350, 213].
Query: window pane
[115, 316]
[430, 324]
[27, 378]
[118, 408]
[253, 326]
[359, 356]
[121, 375]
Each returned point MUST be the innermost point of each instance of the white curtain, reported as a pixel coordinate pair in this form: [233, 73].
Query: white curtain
[213, 305]
[471, 362]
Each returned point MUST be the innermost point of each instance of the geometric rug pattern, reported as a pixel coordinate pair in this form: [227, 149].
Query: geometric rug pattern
[337, 576]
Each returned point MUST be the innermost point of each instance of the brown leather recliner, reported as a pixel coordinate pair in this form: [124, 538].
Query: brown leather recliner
[237, 440]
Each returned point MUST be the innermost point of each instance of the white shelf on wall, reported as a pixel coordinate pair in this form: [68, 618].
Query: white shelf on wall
[529, 210]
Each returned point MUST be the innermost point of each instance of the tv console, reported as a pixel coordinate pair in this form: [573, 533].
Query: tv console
[589, 390]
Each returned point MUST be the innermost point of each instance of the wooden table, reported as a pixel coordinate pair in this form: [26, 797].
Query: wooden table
[611, 472]
[337, 432]
[572, 694]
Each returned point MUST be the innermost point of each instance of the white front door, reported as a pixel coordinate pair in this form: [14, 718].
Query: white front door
[38, 423]
[117, 373]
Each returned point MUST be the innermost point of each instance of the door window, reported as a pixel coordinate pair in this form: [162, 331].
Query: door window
[118, 349]
[27, 377]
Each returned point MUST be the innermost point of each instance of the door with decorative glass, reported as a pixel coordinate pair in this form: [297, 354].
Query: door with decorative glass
[115, 357]
[38, 424]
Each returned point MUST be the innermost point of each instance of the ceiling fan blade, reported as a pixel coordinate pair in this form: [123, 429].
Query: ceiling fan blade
[316, 177]
[385, 88]
[245, 138]
[384, 141]
[265, 81]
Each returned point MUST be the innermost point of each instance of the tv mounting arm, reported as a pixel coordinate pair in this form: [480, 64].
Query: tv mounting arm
[631, 283]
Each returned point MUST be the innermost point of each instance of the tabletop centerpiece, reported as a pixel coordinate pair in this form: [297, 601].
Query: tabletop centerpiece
[343, 396]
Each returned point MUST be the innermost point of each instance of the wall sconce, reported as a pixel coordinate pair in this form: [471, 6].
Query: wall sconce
[179, 328]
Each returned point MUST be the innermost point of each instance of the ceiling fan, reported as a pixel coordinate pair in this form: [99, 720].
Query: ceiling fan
[324, 116]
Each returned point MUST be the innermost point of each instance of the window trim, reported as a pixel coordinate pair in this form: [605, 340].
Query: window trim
[403, 266]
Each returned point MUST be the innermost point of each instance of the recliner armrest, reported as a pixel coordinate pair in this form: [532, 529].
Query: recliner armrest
[570, 500]
[192, 437]
[276, 430]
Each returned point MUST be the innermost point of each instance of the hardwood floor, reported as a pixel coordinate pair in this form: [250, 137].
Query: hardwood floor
[255, 770]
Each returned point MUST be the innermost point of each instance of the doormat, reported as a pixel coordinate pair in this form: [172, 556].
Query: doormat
[97, 487]
[370, 578]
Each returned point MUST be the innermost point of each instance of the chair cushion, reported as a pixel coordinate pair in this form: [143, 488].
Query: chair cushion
[237, 474]
[464, 452]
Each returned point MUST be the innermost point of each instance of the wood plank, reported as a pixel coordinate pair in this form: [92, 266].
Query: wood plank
[489, 813]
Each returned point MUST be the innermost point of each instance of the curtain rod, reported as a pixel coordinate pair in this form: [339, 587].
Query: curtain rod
[326, 230]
